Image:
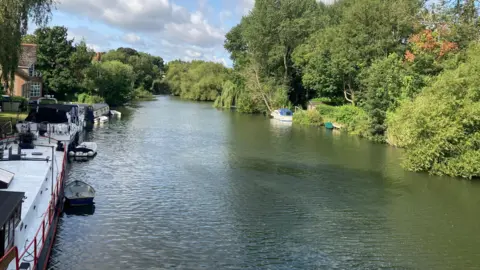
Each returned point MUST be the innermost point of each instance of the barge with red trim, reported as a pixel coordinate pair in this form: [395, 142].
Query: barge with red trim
[32, 178]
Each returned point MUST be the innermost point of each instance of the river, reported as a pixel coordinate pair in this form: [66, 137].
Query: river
[182, 185]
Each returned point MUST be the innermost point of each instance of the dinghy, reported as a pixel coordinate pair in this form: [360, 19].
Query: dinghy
[116, 114]
[85, 149]
[79, 193]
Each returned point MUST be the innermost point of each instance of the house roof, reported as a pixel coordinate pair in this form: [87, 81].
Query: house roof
[8, 203]
[28, 56]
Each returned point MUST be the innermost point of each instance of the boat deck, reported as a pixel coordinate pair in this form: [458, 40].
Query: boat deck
[33, 176]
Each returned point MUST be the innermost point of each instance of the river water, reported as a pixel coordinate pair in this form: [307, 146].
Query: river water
[182, 185]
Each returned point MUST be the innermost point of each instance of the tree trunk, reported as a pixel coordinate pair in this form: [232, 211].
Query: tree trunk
[260, 90]
[285, 64]
[349, 92]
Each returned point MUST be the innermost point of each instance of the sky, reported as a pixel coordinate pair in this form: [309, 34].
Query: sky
[172, 29]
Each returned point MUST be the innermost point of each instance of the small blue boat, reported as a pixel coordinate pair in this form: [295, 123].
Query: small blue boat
[79, 193]
[329, 125]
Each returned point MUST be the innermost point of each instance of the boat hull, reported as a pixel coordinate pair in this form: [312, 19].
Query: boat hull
[80, 201]
[44, 256]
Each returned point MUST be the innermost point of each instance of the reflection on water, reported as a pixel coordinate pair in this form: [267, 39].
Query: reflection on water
[181, 185]
[83, 210]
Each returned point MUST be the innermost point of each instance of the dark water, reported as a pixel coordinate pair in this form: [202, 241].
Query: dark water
[181, 185]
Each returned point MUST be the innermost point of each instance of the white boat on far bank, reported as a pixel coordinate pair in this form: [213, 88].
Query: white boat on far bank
[284, 115]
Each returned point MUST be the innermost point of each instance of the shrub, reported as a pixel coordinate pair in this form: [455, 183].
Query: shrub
[441, 127]
[141, 94]
[310, 117]
[88, 99]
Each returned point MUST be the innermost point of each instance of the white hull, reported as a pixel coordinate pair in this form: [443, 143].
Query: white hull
[101, 119]
[116, 114]
[284, 118]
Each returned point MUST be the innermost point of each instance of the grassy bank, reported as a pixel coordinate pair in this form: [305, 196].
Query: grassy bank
[352, 119]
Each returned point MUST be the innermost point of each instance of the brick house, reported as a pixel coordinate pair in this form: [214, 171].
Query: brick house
[28, 81]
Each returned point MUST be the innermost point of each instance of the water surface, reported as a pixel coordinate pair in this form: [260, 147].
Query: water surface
[182, 185]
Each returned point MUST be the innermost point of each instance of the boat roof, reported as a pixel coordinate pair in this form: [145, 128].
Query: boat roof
[284, 111]
[30, 174]
[98, 106]
[9, 200]
[60, 107]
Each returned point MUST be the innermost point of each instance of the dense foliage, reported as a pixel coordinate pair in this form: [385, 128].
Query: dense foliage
[196, 80]
[441, 127]
[390, 71]
[72, 72]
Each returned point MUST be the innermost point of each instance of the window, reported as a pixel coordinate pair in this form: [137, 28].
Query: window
[35, 89]
[6, 240]
[31, 71]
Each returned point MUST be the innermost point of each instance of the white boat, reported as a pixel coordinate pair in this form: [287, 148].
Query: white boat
[101, 120]
[284, 115]
[85, 149]
[79, 193]
[115, 114]
[32, 170]
[62, 122]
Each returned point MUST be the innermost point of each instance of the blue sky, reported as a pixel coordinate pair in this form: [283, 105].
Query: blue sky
[172, 29]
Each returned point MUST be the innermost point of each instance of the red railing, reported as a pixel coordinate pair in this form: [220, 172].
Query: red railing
[47, 219]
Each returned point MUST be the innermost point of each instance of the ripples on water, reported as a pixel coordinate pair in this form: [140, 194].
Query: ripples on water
[181, 185]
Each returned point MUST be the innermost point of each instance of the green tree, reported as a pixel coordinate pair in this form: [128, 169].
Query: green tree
[387, 82]
[115, 55]
[441, 127]
[53, 60]
[111, 80]
[196, 80]
[29, 38]
[80, 59]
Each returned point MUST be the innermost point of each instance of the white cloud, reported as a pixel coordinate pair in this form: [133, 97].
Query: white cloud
[193, 54]
[94, 47]
[132, 38]
[244, 6]
[196, 32]
[149, 17]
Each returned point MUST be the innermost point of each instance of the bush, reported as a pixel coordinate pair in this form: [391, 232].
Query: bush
[310, 117]
[88, 99]
[353, 119]
[141, 94]
[441, 127]
[19, 99]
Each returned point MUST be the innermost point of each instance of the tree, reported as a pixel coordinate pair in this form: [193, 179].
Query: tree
[387, 82]
[53, 60]
[441, 127]
[111, 80]
[115, 55]
[30, 39]
[80, 59]
[196, 80]
[14, 18]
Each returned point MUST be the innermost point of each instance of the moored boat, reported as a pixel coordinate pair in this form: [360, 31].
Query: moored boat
[116, 114]
[79, 193]
[32, 171]
[284, 115]
[85, 149]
